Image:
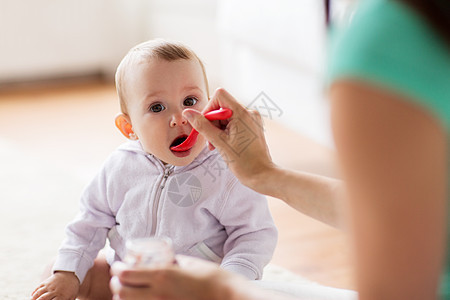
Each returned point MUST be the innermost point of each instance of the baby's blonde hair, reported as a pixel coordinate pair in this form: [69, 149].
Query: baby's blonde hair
[159, 49]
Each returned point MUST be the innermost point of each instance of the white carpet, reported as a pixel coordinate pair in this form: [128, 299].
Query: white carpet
[38, 198]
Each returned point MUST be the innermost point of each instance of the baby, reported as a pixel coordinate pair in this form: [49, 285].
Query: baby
[146, 189]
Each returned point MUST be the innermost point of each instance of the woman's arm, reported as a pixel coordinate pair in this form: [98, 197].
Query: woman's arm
[316, 196]
[394, 160]
[242, 144]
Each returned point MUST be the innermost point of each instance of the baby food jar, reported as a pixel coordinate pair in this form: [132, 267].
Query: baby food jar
[151, 252]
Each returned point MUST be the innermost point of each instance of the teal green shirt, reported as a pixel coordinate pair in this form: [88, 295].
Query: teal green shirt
[389, 44]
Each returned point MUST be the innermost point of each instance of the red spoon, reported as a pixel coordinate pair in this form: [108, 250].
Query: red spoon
[220, 114]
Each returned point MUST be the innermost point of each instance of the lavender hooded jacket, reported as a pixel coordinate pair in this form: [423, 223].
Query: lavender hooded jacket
[202, 207]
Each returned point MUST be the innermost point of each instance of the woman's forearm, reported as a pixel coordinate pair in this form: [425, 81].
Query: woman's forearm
[313, 195]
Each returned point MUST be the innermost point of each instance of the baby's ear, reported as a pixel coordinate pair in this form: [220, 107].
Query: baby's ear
[124, 125]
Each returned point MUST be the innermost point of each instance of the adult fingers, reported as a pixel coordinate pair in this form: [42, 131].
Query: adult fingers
[133, 276]
[135, 293]
[222, 99]
[132, 284]
[204, 127]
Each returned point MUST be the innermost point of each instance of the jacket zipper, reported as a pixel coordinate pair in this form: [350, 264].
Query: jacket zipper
[154, 213]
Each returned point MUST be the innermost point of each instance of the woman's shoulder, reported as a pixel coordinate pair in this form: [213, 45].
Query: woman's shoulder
[389, 43]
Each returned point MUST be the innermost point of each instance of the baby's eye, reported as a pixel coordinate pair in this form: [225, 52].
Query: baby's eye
[156, 108]
[190, 101]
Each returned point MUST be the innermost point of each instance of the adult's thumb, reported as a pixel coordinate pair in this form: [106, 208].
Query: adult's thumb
[203, 126]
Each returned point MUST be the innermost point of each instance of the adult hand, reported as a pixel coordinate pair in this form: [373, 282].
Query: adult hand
[192, 278]
[240, 139]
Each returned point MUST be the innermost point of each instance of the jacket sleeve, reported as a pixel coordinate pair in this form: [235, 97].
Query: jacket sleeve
[252, 235]
[86, 234]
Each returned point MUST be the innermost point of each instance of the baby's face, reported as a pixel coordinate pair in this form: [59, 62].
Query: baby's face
[157, 93]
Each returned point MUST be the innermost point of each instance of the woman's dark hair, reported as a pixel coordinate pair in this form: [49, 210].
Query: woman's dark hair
[327, 11]
[435, 12]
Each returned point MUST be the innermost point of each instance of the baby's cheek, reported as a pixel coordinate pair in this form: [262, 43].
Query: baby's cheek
[152, 146]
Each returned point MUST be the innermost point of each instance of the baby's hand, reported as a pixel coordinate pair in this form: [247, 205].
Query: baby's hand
[61, 286]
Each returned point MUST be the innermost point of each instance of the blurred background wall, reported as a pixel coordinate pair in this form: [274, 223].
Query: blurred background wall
[45, 39]
[248, 47]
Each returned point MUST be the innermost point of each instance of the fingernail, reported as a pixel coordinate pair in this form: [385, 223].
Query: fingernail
[188, 115]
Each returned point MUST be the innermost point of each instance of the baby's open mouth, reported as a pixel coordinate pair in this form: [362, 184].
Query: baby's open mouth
[178, 140]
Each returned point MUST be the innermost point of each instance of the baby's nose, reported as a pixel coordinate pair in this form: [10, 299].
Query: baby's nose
[177, 120]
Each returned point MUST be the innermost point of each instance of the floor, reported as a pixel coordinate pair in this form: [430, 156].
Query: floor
[73, 124]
